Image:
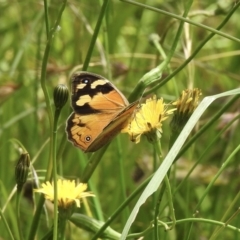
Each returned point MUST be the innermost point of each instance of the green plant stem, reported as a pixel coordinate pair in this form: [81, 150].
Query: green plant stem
[46, 17]
[171, 75]
[3, 219]
[207, 126]
[143, 83]
[121, 207]
[61, 228]
[187, 20]
[55, 178]
[192, 220]
[95, 34]
[157, 145]
[135, 43]
[204, 153]
[224, 165]
[36, 217]
[155, 40]
[167, 187]
[24, 45]
[92, 164]
[96, 157]
[157, 201]
[92, 225]
[218, 230]
[106, 43]
[122, 184]
[20, 237]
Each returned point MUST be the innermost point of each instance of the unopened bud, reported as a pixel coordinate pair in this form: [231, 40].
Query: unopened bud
[60, 95]
[21, 170]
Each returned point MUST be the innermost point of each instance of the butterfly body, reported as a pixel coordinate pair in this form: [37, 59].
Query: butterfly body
[100, 112]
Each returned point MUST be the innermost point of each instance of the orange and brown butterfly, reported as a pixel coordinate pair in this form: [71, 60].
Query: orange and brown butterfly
[101, 111]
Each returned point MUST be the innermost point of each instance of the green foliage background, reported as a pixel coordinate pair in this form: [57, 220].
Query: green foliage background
[123, 54]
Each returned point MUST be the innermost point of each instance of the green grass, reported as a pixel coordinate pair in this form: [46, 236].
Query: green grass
[41, 47]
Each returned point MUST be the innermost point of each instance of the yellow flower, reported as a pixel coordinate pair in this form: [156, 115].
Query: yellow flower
[68, 192]
[186, 104]
[148, 120]
[188, 101]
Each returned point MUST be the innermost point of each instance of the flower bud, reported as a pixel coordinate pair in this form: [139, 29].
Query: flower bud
[154, 39]
[60, 95]
[21, 170]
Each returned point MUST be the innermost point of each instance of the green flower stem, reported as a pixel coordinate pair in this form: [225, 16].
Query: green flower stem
[21, 174]
[187, 20]
[54, 138]
[62, 221]
[19, 143]
[166, 186]
[61, 228]
[20, 236]
[171, 75]
[60, 97]
[3, 219]
[43, 84]
[157, 144]
[36, 217]
[50, 37]
[156, 201]
[95, 34]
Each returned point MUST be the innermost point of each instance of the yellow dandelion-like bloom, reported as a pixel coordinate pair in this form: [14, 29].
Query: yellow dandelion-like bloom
[188, 101]
[148, 120]
[68, 192]
[186, 104]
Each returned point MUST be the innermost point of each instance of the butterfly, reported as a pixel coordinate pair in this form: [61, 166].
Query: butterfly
[100, 111]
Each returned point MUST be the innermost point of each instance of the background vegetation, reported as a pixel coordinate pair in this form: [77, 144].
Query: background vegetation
[122, 53]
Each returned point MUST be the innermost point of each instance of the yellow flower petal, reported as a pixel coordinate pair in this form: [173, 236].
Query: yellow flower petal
[148, 120]
[68, 192]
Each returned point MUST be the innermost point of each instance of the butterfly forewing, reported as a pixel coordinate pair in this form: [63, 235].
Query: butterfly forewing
[95, 94]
